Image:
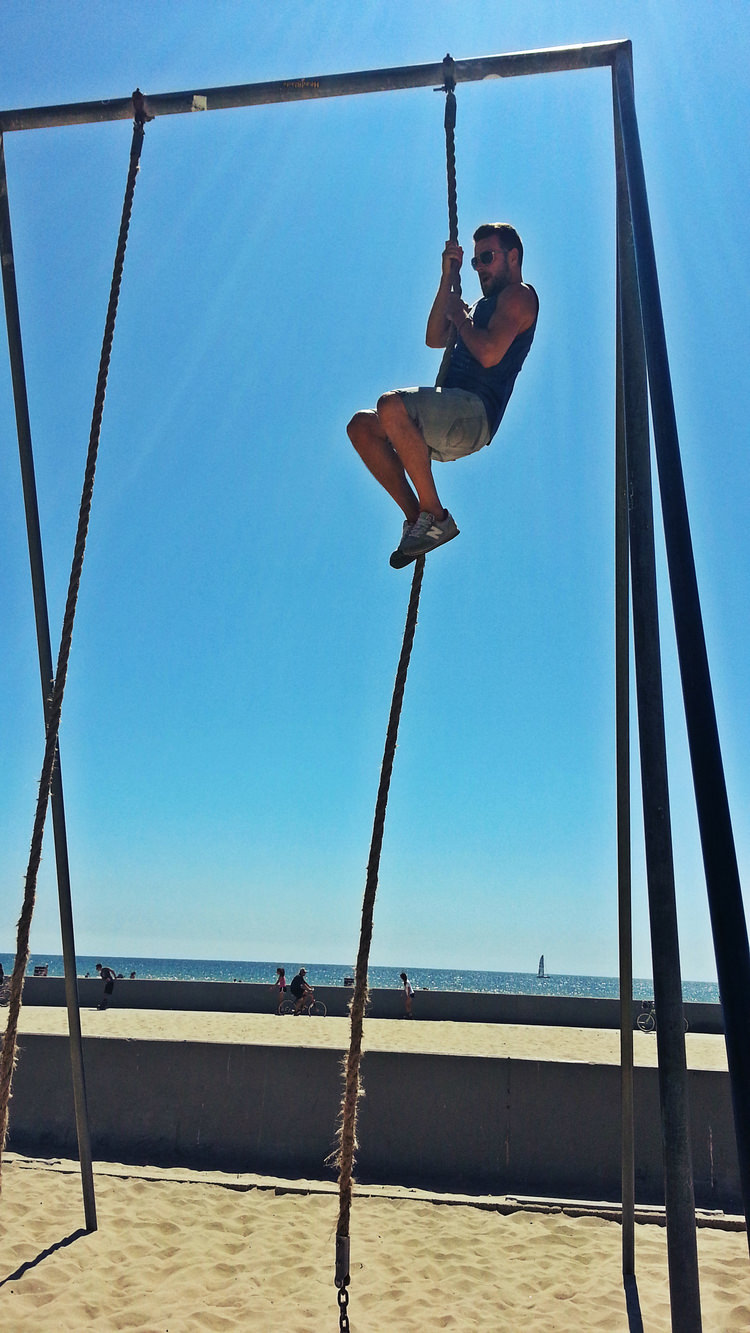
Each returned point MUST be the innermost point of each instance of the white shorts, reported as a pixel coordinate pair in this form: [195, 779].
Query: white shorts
[452, 421]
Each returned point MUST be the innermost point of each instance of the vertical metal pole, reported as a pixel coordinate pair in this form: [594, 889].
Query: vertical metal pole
[673, 1092]
[23, 427]
[622, 730]
[728, 922]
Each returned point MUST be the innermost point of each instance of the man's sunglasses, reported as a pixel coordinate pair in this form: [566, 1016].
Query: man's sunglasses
[485, 258]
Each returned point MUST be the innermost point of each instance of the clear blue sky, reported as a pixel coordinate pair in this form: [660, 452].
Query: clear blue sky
[239, 625]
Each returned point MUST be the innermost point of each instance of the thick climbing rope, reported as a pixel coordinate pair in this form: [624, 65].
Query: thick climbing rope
[8, 1057]
[352, 1089]
[450, 161]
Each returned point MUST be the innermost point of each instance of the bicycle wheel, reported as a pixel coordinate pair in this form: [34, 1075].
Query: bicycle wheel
[287, 1007]
[646, 1022]
[317, 1009]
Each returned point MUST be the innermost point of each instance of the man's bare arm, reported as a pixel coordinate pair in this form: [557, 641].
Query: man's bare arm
[515, 311]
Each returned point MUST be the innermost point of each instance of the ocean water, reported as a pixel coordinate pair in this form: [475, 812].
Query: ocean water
[332, 974]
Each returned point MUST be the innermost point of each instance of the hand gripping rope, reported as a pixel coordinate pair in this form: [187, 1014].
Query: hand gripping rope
[9, 1057]
[352, 1088]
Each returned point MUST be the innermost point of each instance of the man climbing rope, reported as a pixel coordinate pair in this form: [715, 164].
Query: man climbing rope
[411, 427]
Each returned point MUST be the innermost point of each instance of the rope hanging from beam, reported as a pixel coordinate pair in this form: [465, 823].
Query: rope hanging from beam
[352, 1090]
[8, 1057]
[347, 1133]
[450, 162]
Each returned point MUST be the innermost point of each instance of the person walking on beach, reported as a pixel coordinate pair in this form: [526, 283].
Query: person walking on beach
[108, 977]
[408, 995]
[300, 990]
[410, 428]
[280, 986]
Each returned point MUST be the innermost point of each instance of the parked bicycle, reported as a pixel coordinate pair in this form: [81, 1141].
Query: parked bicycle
[646, 1019]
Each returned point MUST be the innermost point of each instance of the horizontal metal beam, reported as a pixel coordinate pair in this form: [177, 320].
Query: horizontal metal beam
[550, 61]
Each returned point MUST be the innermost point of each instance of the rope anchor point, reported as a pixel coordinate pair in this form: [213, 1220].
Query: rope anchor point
[140, 110]
[449, 75]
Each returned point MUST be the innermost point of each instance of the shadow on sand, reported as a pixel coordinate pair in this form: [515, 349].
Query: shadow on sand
[633, 1305]
[44, 1254]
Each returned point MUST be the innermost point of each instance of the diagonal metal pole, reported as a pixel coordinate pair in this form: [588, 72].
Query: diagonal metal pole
[44, 647]
[726, 908]
[682, 1251]
[622, 765]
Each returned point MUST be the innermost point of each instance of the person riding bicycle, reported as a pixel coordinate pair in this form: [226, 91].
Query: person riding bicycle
[303, 994]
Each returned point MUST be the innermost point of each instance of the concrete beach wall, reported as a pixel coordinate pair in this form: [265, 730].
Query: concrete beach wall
[488, 1125]
[447, 1006]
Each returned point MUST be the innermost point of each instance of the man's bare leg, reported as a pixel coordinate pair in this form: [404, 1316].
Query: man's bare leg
[377, 453]
[408, 442]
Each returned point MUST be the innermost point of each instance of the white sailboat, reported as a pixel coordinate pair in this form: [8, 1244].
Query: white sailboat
[541, 976]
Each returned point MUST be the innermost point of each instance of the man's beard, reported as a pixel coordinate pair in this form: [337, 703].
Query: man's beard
[496, 285]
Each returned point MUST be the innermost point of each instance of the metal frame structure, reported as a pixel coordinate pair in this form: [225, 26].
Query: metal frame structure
[642, 376]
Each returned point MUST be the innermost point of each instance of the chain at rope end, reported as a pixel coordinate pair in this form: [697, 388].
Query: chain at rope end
[343, 1302]
[342, 1282]
[342, 1261]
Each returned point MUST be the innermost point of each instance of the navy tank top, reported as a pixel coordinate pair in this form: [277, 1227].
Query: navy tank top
[493, 384]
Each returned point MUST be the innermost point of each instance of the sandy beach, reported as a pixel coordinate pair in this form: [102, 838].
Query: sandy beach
[584, 1045]
[179, 1251]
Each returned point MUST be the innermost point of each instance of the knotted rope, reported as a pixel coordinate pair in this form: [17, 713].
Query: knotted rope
[352, 1090]
[347, 1133]
[450, 155]
[450, 161]
[8, 1057]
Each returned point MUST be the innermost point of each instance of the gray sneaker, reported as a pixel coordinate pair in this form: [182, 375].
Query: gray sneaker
[397, 561]
[422, 537]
